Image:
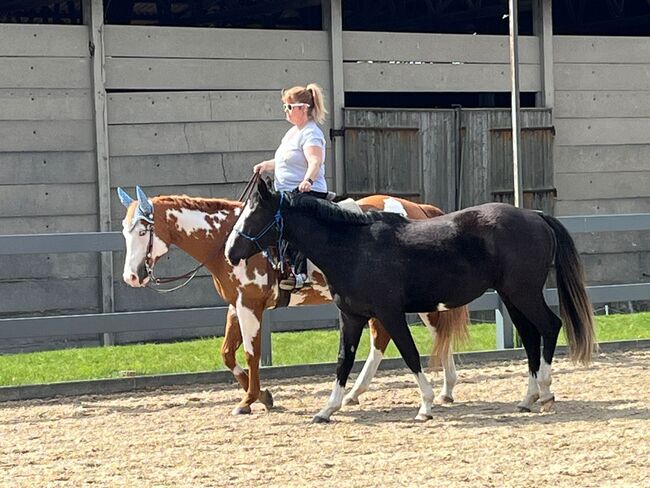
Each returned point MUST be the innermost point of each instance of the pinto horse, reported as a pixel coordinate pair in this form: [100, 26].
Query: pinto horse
[200, 227]
[383, 265]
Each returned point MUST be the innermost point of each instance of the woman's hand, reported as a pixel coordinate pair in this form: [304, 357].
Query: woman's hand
[264, 166]
[304, 186]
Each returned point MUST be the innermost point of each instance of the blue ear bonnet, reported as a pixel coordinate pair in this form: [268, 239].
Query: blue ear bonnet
[144, 210]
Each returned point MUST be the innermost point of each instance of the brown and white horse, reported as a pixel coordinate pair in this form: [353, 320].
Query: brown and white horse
[200, 227]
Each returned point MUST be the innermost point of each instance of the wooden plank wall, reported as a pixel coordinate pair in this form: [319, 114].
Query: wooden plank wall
[388, 61]
[47, 166]
[191, 110]
[602, 148]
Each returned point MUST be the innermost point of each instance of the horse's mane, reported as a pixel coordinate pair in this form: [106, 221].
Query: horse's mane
[329, 212]
[207, 205]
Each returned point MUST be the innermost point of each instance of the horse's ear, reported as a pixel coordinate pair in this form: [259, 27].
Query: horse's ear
[143, 201]
[263, 189]
[125, 198]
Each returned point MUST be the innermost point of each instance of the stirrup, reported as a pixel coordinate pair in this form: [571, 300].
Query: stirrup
[294, 282]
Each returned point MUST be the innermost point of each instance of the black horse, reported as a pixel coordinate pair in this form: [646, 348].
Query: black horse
[383, 265]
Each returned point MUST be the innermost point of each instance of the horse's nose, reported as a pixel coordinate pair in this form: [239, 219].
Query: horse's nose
[131, 279]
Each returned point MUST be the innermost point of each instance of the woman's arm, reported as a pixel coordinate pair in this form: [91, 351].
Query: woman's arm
[314, 156]
[265, 166]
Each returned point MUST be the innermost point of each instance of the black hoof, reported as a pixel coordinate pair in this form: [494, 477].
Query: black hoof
[522, 409]
[320, 420]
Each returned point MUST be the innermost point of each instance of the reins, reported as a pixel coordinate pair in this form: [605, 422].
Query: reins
[278, 224]
[155, 282]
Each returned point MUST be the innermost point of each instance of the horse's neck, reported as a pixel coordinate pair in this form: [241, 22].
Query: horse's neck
[306, 234]
[204, 237]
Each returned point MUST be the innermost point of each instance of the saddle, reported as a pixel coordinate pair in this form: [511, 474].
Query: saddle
[284, 296]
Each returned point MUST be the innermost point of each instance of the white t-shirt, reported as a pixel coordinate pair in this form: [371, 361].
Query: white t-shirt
[290, 162]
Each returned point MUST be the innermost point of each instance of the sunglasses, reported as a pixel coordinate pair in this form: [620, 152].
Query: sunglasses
[288, 107]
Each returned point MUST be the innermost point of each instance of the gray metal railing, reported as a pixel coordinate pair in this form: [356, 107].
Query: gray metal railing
[294, 318]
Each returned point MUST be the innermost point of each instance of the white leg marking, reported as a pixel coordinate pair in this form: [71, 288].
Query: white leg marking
[237, 370]
[427, 397]
[532, 394]
[248, 324]
[448, 366]
[333, 403]
[544, 381]
[365, 377]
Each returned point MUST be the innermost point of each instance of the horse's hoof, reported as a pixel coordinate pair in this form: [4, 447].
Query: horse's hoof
[443, 400]
[241, 410]
[267, 399]
[350, 401]
[423, 417]
[547, 405]
[523, 409]
[319, 420]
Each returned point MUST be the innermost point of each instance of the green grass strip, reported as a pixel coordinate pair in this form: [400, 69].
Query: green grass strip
[204, 354]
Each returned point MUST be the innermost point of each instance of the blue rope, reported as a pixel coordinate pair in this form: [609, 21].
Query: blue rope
[278, 223]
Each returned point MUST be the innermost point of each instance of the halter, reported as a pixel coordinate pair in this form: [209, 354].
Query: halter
[278, 224]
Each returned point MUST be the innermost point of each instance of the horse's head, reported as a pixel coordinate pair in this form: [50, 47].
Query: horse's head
[257, 227]
[143, 246]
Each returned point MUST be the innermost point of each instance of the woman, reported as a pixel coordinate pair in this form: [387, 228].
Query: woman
[299, 160]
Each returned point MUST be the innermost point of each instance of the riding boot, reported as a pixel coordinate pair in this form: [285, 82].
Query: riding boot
[298, 278]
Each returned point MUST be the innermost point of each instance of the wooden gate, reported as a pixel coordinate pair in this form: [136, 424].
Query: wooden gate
[453, 158]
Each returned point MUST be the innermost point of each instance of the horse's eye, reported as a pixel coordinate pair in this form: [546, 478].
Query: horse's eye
[142, 233]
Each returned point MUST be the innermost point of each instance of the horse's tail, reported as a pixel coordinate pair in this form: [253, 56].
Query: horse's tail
[575, 307]
[430, 210]
[451, 328]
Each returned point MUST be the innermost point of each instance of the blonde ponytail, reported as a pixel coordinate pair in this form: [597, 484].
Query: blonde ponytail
[312, 94]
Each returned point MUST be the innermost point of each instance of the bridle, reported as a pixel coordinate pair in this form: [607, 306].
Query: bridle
[149, 265]
[154, 282]
[278, 224]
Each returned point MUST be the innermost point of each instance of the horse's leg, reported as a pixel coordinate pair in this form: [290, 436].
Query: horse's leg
[250, 319]
[351, 329]
[448, 366]
[396, 325]
[550, 330]
[231, 342]
[379, 340]
[531, 315]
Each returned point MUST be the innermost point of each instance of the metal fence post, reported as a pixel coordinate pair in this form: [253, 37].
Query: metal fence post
[266, 329]
[505, 330]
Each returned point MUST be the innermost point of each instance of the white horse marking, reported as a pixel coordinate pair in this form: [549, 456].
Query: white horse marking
[367, 374]
[448, 365]
[427, 397]
[136, 251]
[240, 274]
[394, 206]
[191, 221]
[544, 381]
[532, 394]
[239, 225]
[333, 403]
[442, 307]
[248, 323]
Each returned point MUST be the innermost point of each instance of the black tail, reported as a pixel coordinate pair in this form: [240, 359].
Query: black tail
[575, 307]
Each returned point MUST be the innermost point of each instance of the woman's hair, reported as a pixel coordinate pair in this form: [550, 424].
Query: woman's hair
[312, 94]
